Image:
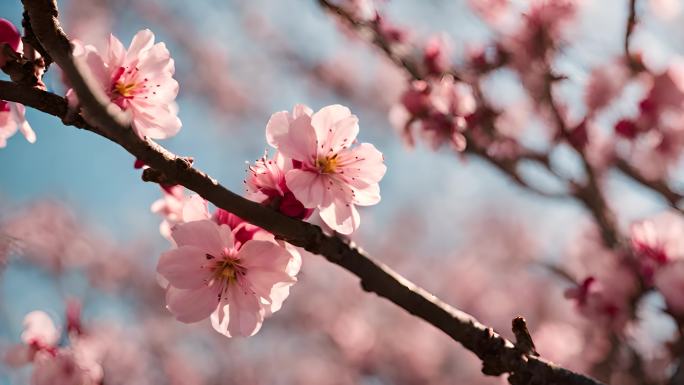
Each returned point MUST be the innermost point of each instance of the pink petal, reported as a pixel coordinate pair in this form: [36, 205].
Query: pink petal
[245, 313]
[326, 118]
[239, 315]
[340, 135]
[142, 41]
[308, 187]
[183, 267]
[367, 196]
[341, 217]
[116, 52]
[195, 208]
[278, 295]
[24, 127]
[157, 60]
[192, 305]
[95, 65]
[299, 142]
[363, 163]
[155, 121]
[203, 234]
[264, 255]
[17, 355]
[277, 127]
[227, 236]
[301, 110]
[38, 326]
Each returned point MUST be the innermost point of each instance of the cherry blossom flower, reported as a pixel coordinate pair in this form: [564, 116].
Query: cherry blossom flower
[658, 241]
[266, 184]
[39, 335]
[436, 55]
[139, 80]
[604, 85]
[329, 174]
[62, 369]
[13, 118]
[442, 108]
[659, 238]
[539, 36]
[608, 284]
[51, 364]
[209, 276]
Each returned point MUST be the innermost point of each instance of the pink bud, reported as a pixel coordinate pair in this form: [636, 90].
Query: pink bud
[417, 99]
[579, 137]
[8, 35]
[291, 207]
[626, 128]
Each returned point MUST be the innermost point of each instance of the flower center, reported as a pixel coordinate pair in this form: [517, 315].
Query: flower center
[327, 164]
[228, 270]
[125, 89]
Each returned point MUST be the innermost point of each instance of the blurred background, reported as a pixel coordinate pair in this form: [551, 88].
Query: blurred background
[452, 224]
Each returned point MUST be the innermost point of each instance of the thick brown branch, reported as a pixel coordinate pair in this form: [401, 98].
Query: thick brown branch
[499, 356]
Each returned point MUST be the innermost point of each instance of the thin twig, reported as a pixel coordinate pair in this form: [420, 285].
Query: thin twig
[660, 186]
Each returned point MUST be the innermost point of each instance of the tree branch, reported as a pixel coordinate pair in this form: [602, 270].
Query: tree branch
[633, 61]
[498, 355]
[660, 186]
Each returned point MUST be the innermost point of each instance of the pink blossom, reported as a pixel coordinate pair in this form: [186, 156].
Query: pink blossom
[491, 11]
[604, 85]
[659, 238]
[670, 282]
[8, 35]
[436, 55]
[266, 184]
[442, 108]
[626, 128]
[13, 118]
[329, 173]
[39, 335]
[63, 368]
[658, 241]
[39, 329]
[539, 36]
[609, 284]
[209, 276]
[139, 80]
[601, 302]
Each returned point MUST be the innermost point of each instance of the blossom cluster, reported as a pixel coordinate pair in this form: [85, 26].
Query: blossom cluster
[75, 363]
[236, 273]
[222, 267]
